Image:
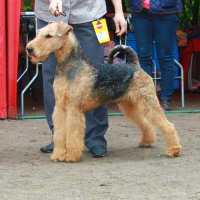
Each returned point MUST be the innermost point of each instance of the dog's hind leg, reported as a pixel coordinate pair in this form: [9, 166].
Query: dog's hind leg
[141, 105]
[168, 130]
[156, 116]
[148, 117]
[132, 112]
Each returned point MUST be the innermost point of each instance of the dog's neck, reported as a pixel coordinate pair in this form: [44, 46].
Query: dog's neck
[70, 48]
[68, 45]
[70, 54]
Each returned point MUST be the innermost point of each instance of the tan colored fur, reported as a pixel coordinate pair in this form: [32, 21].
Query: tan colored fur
[139, 104]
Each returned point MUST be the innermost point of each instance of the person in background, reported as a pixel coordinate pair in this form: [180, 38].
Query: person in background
[79, 14]
[157, 20]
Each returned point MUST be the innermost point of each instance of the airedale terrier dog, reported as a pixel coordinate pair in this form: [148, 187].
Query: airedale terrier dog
[80, 86]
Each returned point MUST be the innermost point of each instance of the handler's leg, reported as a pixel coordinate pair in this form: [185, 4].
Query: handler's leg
[48, 72]
[97, 119]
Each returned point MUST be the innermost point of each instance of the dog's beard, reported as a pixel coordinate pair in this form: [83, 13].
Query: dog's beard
[34, 59]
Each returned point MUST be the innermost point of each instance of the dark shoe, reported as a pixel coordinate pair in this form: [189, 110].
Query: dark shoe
[98, 151]
[48, 148]
[165, 104]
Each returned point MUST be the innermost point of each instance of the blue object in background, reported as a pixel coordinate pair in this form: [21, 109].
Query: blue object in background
[131, 42]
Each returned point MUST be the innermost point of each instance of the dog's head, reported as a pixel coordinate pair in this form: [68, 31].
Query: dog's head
[49, 39]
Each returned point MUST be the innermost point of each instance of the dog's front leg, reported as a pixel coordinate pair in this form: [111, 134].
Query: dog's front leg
[59, 119]
[74, 136]
[75, 132]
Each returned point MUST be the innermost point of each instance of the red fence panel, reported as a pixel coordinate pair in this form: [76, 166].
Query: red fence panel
[13, 22]
[3, 99]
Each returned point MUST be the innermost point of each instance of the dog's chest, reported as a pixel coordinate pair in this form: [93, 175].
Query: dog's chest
[111, 81]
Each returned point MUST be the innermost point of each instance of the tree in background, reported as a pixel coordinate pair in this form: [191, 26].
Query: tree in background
[189, 17]
[191, 14]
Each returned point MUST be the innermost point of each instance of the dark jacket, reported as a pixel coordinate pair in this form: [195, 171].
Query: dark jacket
[158, 6]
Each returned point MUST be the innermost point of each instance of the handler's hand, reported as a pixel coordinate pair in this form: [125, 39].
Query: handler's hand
[55, 7]
[120, 23]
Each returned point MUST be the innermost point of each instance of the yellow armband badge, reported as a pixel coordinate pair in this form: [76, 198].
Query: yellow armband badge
[101, 30]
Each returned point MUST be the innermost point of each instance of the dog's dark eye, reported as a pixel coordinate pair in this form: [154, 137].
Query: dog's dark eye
[48, 36]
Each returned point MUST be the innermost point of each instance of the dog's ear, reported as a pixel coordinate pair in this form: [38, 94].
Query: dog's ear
[63, 28]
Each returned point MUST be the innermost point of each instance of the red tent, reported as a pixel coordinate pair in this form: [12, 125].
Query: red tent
[9, 40]
[3, 103]
[185, 55]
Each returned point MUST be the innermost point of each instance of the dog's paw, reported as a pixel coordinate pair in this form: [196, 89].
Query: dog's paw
[174, 151]
[73, 156]
[56, 157]
[145, 143]
[67, 157]
[72, 159]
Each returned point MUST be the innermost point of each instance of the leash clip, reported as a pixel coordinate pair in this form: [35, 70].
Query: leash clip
[63, 13]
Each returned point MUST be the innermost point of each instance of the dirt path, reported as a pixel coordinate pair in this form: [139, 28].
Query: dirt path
[126, 173]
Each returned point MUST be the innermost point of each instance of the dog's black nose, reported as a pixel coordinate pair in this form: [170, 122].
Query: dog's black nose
[29, 49]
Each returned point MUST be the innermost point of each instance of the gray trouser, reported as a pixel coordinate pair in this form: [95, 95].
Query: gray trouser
[97, 119]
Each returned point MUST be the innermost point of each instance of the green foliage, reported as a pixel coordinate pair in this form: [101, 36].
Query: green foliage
[189, 17]
[127, 5]
[191, 14]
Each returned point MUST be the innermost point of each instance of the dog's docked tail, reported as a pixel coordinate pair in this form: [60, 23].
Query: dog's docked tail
[131, 56]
